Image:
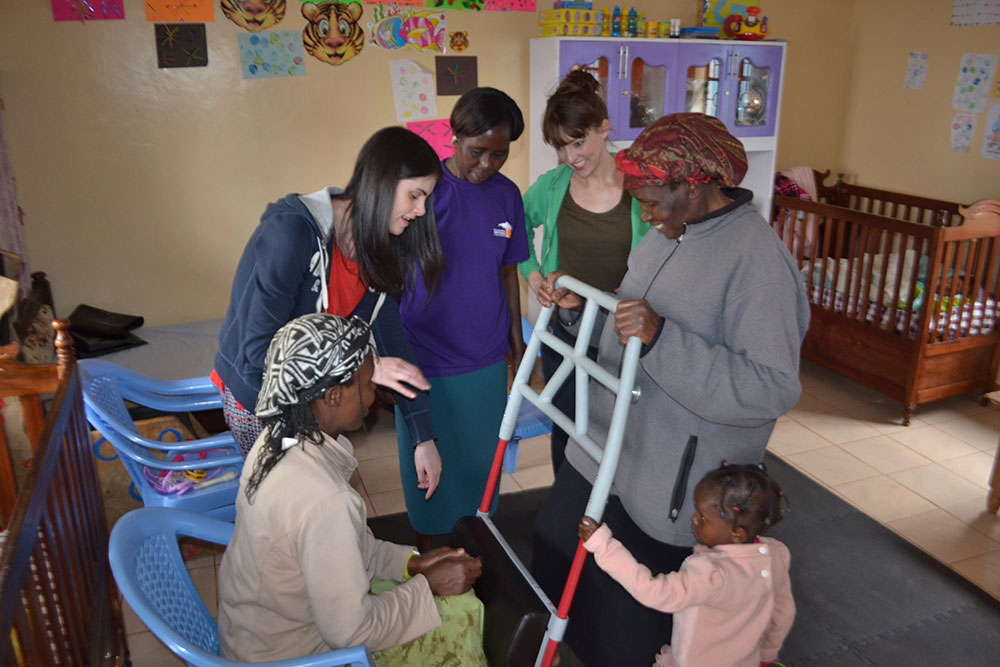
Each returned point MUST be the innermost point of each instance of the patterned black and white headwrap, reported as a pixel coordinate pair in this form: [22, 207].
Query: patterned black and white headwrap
[309, 355]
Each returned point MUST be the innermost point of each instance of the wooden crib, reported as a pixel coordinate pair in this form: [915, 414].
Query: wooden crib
[903, 292]
[58, 602]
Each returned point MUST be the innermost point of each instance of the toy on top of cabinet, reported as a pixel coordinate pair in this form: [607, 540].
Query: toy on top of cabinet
[753, 27]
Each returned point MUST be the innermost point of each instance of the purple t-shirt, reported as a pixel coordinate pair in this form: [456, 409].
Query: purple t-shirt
[464, 327]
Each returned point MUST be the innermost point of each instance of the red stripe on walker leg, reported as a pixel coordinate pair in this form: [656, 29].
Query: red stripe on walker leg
[550, 653]
[572, 580]
[494, 479]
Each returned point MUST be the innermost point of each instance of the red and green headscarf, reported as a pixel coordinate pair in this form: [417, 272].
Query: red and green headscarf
[692, 147]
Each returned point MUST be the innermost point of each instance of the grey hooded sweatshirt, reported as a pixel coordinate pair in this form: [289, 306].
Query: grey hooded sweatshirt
[723, 367]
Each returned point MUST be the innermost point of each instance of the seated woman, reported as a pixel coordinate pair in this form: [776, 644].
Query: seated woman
[297, 577]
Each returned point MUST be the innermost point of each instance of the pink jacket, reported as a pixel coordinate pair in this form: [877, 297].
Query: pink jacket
[732, 604]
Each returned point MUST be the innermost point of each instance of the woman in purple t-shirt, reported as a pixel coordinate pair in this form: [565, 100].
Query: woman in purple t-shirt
[462, 335]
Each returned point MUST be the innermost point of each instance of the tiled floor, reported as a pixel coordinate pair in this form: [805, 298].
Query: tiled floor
[927, 482]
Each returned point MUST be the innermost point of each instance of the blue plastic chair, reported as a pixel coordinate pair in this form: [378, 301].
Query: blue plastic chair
[107, 386]
[147, 565]
[531, 421]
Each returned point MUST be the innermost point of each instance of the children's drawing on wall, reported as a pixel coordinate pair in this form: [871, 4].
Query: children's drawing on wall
[456, 75]
[181, 45]
[975, 12]
[88, 10]
[173, 11]
[333, 33]
[962, 127]
[991, 134]
[437, 133]
[458, 40]
[402, 27]
[396, 3]
[271, 54]
[412, 90]
[472, 5]
[509, 5]
[916, 70]
[975, 77]
[253, 15]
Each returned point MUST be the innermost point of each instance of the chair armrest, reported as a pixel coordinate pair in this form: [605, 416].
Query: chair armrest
[357, 656]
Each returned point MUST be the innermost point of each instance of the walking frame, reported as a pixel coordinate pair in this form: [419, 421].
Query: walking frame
[607, 459]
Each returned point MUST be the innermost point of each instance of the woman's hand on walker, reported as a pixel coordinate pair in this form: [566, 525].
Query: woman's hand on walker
[419, 564]
[399, 375]
[562, 297]
[636, 318]
[427, 462]
[453, 575]
[587, 528]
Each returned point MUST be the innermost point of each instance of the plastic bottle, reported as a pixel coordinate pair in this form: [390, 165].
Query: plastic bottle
[616, 22]
[632, 19]
[606, 22]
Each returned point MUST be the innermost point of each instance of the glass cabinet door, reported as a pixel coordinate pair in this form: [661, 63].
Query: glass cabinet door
[755, 81]
[650, 86]
[601, 60]
[702, 78]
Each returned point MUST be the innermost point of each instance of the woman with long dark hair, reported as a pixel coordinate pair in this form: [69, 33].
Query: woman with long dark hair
[346, 252]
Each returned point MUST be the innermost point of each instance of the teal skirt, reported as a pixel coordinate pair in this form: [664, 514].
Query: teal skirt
[467, 410]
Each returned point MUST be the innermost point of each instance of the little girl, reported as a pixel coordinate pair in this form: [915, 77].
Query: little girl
[732, 599]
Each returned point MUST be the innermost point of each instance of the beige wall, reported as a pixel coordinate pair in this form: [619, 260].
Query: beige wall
[140, 186]
[898, 138]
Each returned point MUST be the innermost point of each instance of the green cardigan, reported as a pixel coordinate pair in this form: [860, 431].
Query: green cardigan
[542, 202]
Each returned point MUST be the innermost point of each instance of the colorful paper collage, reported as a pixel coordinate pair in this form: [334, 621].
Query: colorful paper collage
[272, 54]
[88, 10]
[975, 12]
[181, 45]
[991, 133]
[916, 70]
[471, 5]
[456, 75]
[420, 30]
[437, 133]
[396, 3]
[173, 11]
[412, 90]
[963, 125]
[975, 77]
[509, 5]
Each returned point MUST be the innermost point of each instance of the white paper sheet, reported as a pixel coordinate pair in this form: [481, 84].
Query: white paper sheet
[975, 12]
[916, 70]
[412, 90]
[972, 86]
[991, 133]
[963, 125]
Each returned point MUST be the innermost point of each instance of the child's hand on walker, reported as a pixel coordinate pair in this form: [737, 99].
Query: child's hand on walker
[587, 528]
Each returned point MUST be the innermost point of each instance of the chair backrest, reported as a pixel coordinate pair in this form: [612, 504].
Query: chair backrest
[150, 572]
[107, 386]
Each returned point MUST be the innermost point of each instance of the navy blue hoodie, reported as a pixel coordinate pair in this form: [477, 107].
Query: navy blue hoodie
[282, 275]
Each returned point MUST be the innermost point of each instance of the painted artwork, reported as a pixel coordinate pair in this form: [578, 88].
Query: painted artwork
[272, 54]
[991, 133]
[455, 75]
[181, 45]
[509, 5]
[975, 77]
[437, 133]
[975, 12]
[88, 10]
[393, 7]
[420, 30]
[253, 15]
[333, 33]
[471, 5]
[963, 125]
[174, 11]
[916, 70]
[412, 90]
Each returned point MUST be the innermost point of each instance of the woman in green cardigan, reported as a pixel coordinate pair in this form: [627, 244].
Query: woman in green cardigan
[589, 221]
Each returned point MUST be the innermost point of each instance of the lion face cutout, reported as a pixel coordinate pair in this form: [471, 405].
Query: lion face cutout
[253, 15]
[333, 33]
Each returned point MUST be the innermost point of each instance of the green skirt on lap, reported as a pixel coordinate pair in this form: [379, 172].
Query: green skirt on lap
[457, 643]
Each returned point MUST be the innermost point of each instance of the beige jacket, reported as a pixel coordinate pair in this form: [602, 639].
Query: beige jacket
[294, 579]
